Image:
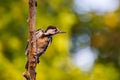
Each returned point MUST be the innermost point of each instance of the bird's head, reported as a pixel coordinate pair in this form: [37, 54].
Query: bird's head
[51, 30]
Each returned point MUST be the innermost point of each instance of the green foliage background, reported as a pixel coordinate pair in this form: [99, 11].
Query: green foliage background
[56, 63]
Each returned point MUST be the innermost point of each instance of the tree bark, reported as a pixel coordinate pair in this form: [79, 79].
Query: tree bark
[30, 73]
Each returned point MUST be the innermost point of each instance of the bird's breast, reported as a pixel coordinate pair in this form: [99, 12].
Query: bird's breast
[42, 44]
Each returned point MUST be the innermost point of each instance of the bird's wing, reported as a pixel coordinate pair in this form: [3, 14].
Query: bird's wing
[38, 34]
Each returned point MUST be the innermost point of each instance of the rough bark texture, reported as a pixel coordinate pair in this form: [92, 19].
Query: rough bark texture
[30, 73]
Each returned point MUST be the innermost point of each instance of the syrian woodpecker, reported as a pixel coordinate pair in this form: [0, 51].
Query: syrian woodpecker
[43, 39]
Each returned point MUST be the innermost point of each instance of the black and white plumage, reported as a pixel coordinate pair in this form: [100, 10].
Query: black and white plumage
[43, 39]
[39, 33]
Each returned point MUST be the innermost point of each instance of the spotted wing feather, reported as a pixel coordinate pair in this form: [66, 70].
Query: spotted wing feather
[38, 34]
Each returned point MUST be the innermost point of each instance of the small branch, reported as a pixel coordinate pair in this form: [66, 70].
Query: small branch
[30, 73]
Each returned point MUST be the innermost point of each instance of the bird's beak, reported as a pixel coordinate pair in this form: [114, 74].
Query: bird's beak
[61, 31]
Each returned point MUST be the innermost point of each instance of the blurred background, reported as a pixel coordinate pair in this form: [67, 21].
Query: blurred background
[90, 50]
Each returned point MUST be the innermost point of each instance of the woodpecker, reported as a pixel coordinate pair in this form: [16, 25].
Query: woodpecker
[43, 39]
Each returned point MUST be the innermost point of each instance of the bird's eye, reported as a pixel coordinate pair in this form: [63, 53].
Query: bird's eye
[55, 30]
